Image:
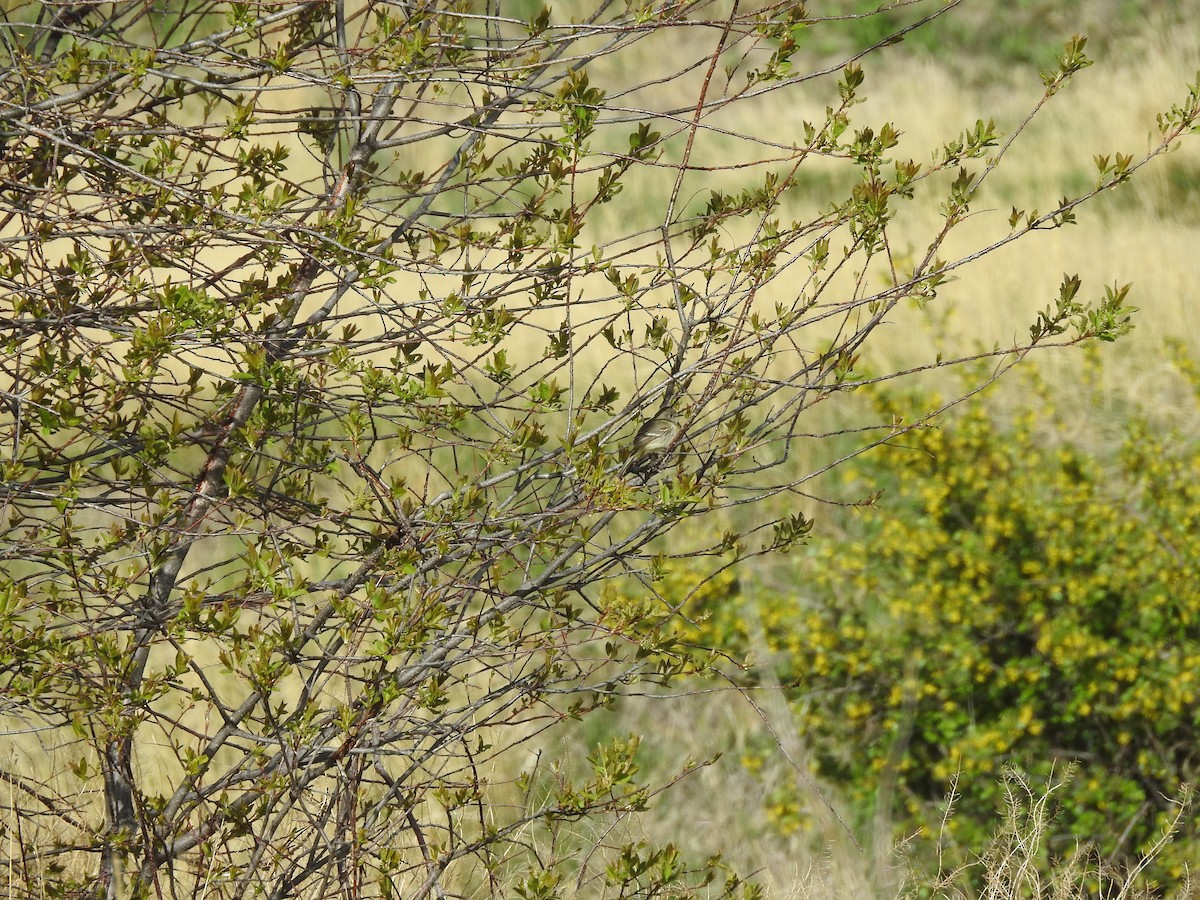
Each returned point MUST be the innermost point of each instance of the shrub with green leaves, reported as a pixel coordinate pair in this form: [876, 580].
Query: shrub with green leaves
[1017, 601]
[327, 330]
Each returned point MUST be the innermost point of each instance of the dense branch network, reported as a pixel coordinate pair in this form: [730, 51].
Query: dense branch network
[324, 327]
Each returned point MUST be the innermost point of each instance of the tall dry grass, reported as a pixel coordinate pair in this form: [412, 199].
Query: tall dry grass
[1147, 232]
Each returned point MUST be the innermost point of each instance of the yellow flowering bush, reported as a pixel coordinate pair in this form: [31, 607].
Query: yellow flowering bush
[1016, 602]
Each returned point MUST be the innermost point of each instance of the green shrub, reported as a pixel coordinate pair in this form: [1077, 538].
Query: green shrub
[1018, 601]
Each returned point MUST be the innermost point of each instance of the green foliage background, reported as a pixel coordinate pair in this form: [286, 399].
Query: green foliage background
[982, 45]
[1019, 598]
[1020, 601]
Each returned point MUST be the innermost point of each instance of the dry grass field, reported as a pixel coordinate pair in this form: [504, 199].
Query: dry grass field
[1146, 233]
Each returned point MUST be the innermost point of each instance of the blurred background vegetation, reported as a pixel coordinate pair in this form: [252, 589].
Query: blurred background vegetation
[989, 648]
[994, 629]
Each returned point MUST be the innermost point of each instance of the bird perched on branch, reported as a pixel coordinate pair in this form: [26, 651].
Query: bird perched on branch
[654, 438]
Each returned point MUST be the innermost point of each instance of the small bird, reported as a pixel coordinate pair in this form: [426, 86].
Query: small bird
[655, 436]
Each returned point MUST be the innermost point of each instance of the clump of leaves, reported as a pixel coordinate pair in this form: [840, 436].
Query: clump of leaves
[1020, 603]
